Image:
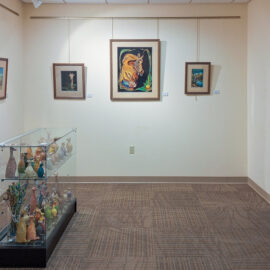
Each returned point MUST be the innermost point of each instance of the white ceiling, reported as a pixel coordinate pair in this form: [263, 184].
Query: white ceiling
[138, 1]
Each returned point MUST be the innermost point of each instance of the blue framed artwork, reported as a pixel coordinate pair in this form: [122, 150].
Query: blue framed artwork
[198, 76]
[3, 77]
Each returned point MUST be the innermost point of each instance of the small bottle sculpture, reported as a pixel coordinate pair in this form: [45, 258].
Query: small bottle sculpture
[29, 153]
[69, 146]
[33, 201]
[36, 165]
[21, 165]
[39, 229]
[31, 233]
[29, 172]
[11, 165]
[54, 210]
[21, 231]
[40, 171]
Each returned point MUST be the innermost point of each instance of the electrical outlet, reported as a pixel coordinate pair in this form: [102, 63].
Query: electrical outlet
[132, 150]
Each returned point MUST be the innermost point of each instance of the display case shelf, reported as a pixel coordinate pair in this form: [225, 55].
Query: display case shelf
[36, 203]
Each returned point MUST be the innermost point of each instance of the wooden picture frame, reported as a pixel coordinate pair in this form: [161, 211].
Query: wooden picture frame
[198, 78]
[135, 69]
[3, 77]
[69, 81]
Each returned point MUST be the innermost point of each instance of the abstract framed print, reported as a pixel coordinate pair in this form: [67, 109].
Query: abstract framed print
[198, 76]
[69, 81]
[135, 69]
[3, 77]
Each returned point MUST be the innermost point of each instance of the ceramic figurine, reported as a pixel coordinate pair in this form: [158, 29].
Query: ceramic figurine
[29, 153]
[29, 172]
[69, 145]
[25, 160]
[42, 221]
[31, 233]
[40, 171]
[48, 212]
[39, 228]
[54, 210]
[21, 165]
[33, 201]
[36, 165]
[37, 215]
[11, 165]
[21, 231]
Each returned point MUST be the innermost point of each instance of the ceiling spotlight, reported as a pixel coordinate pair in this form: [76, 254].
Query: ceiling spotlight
[37, 3]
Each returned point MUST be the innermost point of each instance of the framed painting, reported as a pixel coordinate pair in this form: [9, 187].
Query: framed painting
[3, 77]
[69, 81]
[135, 69]
[198, 75]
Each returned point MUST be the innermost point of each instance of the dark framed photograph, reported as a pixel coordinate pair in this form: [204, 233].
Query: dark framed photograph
[198, 76]
[69, 81]
[3, 77]
[135, 69]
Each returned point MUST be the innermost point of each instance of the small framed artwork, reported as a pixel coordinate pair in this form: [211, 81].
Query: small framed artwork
[69, 81]
[135, 69]
[3, 77]
[198, 75]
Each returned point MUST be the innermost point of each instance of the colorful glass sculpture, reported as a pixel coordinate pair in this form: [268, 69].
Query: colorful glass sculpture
[11, 165]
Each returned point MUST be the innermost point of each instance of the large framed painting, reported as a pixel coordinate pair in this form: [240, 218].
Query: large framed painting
[198, 75]
[135, 69]
[3, 77]
[69, 81]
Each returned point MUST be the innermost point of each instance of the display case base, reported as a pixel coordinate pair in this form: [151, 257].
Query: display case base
[36, 256]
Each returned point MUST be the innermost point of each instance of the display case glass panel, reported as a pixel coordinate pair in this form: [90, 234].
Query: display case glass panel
[36, 194]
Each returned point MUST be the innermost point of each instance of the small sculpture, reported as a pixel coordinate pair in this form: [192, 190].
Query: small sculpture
[62, 151]
[31, 233]
[21, 165]
[37, 215]
[54, 210]
[48, 212]
[29, 172]
[21, 230]
[33, 201]
[11, 165]
[36, 165]
[69, 146]
[40, 171]
[29, 153]
[39, 228]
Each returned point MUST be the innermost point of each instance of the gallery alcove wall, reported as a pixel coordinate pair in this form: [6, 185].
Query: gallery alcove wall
[177, 136]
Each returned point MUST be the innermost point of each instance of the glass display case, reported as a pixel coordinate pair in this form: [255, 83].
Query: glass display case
[37, 197]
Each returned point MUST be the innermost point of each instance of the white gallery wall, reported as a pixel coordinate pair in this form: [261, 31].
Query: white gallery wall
[259, 93]
[11, 47]
[177, 136]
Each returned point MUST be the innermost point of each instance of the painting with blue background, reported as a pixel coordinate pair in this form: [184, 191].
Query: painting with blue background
[1, 77]
[197, 78]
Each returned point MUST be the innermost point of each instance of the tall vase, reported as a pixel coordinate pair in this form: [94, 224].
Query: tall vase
[21, 165]
[11, 165]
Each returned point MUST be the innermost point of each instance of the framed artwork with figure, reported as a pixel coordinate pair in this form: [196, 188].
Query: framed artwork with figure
[135, 69]
[3, 77]
[69, 81]
[198, 76]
